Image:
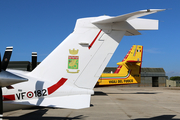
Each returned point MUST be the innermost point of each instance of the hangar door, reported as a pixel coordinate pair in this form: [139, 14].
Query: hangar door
[155, 82]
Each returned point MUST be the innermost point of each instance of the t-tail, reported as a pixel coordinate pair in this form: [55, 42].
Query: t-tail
[67, 76]
[81, 58]
[128, 71]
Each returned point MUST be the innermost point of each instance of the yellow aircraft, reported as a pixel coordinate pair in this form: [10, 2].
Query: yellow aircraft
[128, 71]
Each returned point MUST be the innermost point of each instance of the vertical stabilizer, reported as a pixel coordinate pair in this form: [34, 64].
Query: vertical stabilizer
[83, 55]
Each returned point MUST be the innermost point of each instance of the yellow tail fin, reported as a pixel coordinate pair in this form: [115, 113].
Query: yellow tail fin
[128, 71]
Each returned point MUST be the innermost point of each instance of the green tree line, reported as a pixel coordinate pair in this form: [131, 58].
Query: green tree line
[175, 78]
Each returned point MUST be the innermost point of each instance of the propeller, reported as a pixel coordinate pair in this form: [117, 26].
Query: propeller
[7, 78]
[3, 66]
[34, 60]
[6, 58]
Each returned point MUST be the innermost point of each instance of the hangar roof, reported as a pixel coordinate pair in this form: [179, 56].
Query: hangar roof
[152, 70]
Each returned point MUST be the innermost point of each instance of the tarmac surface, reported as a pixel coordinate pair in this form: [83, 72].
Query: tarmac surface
[114, 103]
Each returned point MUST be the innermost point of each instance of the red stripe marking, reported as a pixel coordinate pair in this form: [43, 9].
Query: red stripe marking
[8, 97]
[127, 54]
[94, 40]
[118, 69]
[54, 87]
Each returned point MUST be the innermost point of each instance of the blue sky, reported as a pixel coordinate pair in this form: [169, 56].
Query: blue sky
[40, 25]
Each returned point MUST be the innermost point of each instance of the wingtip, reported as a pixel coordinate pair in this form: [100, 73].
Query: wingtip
[154, 10]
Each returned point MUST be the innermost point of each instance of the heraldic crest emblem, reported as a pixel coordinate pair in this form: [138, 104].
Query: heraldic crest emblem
[73, 61]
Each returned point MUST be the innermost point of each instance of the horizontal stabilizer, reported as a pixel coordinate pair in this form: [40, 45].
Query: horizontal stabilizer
[144, 24]
[128, 61]
[127, 16]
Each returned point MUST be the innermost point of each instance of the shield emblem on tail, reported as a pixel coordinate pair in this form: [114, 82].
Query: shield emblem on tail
[73, 61]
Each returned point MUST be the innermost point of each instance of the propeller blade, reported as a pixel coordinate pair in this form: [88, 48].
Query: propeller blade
[34, 60]
[6, 58]
[1, 103]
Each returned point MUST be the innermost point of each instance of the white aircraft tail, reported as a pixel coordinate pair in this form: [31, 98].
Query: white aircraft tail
[83, 55]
